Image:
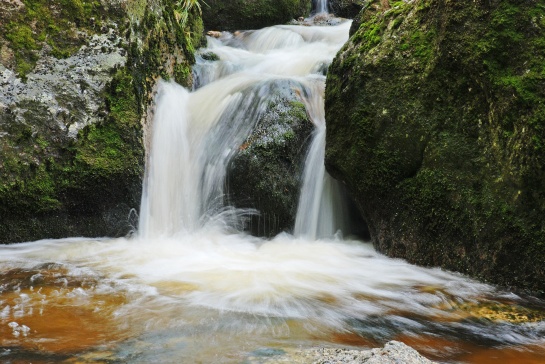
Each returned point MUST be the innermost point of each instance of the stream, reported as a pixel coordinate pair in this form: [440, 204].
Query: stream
[191, 286]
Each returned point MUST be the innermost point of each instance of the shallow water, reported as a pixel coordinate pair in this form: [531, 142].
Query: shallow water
[211, 296]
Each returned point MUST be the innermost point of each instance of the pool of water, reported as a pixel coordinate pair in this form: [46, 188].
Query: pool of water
[215, 297]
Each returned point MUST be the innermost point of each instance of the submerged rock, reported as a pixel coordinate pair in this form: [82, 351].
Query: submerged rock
[435, 117]
[254, 14]
[75, 84]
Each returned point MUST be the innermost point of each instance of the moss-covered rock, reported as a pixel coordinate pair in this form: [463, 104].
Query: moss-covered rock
[76, 79]
[265, 173]
[436, 123]
[251, 14]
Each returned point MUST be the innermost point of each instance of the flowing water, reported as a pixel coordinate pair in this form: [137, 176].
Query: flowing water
[192, 287]
[320, 7]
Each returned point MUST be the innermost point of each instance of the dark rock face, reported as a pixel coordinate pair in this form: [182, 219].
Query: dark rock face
[347, 8]
[435, 114]
[251, 14]
[75, 84]
[265, 173]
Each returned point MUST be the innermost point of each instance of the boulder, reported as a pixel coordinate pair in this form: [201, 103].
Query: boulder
[393, 352]
[435, 114]
[265, 172]
[76, 80]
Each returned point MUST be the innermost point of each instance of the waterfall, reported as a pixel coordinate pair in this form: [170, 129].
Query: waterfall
[195, 134]
[320, 6]
[169, 201]
[192, 287]
[321, 210]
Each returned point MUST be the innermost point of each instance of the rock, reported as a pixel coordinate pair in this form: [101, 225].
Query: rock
[347, 8]
[74, 108]
[434, 114]
[265, 173]
[214, 33]
[393, 352]
[251, 14]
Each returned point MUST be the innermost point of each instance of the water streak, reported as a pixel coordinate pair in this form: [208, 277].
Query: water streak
[322, 210]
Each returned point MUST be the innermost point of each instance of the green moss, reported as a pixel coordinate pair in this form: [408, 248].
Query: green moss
[121, 99]
[103, 152]
[54, 22]
[210, 56]
[182, 74]
[422, 43]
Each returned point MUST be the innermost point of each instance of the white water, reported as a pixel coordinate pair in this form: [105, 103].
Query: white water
[195, 134]
[321, 7]
[311, 274]
[322, 210]
[190, 277]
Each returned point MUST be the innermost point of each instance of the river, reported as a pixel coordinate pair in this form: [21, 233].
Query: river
[190, 287]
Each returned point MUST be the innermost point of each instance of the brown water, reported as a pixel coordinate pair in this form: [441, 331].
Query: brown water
[214, 297]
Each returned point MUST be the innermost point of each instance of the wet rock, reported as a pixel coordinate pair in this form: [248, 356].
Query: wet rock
[265, 172]
[347, 8]
[74, 109]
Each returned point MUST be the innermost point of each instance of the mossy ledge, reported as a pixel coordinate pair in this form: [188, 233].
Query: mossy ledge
[78, 78]
[436, 123]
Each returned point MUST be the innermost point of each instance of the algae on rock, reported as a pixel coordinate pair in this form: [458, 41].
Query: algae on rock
[436, 123]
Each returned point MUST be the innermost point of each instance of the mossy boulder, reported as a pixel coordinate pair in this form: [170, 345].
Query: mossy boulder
[265, 172]
[251, 14]
[436, 124]
[76, 79]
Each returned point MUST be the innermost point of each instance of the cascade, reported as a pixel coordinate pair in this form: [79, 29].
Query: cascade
[194, 135]
[321, 209]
